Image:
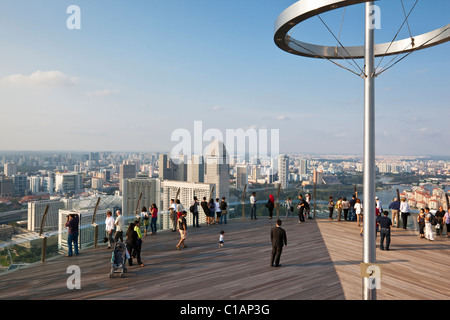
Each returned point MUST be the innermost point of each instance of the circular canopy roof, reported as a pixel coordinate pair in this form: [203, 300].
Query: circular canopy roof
[305, 9]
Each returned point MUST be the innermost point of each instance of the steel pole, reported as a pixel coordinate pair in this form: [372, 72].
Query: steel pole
[369, 254]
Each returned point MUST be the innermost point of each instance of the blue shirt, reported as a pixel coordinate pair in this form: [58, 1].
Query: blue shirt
[395, 205]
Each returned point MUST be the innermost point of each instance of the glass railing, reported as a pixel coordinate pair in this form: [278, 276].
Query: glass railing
[33, 249]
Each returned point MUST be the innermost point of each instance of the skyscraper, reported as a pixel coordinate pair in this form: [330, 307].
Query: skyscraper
[303, 170]
[132, 188]
[241, 176]
[126, 171]
[217, 168]
[10, 169]
[283, 171]
[196, 169]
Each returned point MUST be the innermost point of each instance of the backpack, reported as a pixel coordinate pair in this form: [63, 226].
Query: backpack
[433, 220]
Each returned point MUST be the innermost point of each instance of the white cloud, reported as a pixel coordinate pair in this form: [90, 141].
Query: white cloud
[101, 93]
[40, 78]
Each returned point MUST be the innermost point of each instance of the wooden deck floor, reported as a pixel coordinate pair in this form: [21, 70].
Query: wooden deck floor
[321, 262]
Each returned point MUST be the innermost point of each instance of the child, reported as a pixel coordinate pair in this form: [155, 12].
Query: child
[221, 239]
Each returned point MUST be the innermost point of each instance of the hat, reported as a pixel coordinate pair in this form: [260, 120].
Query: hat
[376, 198]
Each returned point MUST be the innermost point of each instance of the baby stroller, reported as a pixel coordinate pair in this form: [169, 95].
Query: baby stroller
[118, 259]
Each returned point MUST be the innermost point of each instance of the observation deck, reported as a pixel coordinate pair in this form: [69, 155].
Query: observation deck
[321, 262]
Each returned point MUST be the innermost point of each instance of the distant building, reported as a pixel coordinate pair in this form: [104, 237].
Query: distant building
[303, 170]
[126, 171]
[241, 176]
[186, 192]
[10, 169]
[6, 186]
[68, 182]
[196, 169]
[132, 189]
[20, 183]
[36, 211]
[218, 169]
[283, 171]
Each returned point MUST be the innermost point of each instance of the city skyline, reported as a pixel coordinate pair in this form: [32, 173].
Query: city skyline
[133, 74]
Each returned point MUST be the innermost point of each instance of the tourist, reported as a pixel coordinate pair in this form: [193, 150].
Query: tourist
[378, 207]
[109, 228]
[145, 219]
[345, 207]
[154, 218]
[212, 211]
[308, 208]
[138, 243]
[179, 209]
[302, 206]
[131, 242]
[172, 213]
[358, 211]
[120, 227]
[404, 211]
[385, 230]
[253, 206]
[446, 221]
[351, 212]
[421, 223]
[217, 210]
[221, 238]
[72, 223]
[440, 221]
[182, 228]
[338, 207]
[204, 205]
[194, 210]
[223, 208]
[270, 205]
[289, 207]
[279, 240]
[330, 207]
[429, 234]
[395, 209]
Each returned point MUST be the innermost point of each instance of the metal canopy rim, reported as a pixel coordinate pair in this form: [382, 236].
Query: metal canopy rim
[305, 9]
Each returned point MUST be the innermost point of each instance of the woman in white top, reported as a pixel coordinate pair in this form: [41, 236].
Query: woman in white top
[358, 210]
[404, 210]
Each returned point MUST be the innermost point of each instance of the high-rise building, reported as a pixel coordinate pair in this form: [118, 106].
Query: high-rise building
[36, 210]
[35, 184]
[6, 186]
[241, 176]
[217, 168]
[20, 182]
[132, 189]
[303, 170]
[10, 169]
[186, 192]
[126, 171]
[318, 176]
[68, 182]
[196, 169]
[283, 171]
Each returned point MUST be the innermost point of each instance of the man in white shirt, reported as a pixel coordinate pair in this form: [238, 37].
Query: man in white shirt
[120, 227]
[109, 227]
[253, 206]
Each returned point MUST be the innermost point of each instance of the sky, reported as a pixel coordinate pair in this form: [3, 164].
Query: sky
[136, 71]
